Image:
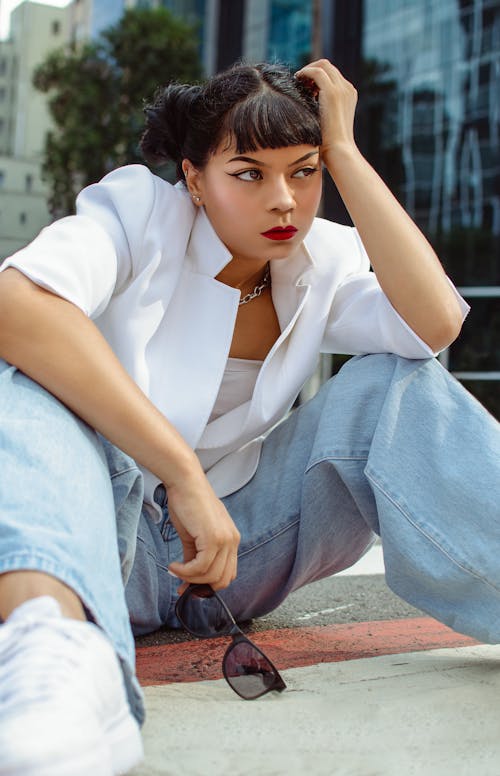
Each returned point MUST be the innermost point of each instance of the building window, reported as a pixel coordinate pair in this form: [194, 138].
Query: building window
[56, 27]
[290, 32]
[2, 178]
[28, 183]
[2, 93]
[438, 123]
[23, 218]
[3, 66]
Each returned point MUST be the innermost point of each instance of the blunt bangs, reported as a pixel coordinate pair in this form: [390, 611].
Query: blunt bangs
[270, 119]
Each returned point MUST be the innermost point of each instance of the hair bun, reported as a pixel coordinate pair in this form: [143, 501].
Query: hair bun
[167, 123]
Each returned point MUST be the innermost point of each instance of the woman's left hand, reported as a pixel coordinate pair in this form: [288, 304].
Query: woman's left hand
[337, 99]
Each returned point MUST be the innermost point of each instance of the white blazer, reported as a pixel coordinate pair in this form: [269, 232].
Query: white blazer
[141, 260]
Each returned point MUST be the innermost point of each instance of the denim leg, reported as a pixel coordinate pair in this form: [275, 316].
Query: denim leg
[434, 468]
[61, 491]
[421, 457]
[390, 446]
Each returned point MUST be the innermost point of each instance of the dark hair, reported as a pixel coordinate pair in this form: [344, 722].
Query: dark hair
[256, 106]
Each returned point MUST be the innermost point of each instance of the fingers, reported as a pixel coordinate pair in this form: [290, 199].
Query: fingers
[323, 73]
[219, 573]
[337, 99]
[210, 558]
[211, 566]
[319, 66]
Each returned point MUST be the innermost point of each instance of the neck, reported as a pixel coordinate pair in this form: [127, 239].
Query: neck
[242, 274]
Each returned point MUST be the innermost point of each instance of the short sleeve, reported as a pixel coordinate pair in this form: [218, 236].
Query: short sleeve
[362, 320]
[85, 257]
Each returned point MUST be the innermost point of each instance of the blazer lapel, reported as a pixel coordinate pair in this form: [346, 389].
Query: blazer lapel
[194, 337]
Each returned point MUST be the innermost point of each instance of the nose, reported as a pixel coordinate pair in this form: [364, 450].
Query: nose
[281, 196]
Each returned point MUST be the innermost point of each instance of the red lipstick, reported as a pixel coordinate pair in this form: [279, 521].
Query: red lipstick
[280, 233]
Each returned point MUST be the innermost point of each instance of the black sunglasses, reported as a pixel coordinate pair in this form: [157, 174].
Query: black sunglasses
[246, 668]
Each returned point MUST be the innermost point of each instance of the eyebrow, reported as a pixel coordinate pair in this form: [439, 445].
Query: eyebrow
[261, 164]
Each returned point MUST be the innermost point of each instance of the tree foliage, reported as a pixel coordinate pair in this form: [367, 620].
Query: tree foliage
[96, 96]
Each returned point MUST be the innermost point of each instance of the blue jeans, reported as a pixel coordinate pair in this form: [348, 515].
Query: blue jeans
[389, 446]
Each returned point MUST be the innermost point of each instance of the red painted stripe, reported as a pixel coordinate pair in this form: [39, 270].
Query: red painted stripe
[192, 661]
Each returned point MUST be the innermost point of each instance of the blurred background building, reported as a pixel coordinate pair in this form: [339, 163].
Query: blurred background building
[428, 74]
[90, 17]
[35, 30]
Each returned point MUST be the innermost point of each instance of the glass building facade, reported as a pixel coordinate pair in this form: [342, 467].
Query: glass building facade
[289, 35]
[430, 123]
[104, 13]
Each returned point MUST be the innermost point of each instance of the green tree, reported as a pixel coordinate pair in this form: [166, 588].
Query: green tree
[96, 96]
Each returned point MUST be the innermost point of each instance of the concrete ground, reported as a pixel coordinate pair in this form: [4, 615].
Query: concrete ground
[375, 688]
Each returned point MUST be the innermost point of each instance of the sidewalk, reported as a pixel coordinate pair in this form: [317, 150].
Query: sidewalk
[390, 698]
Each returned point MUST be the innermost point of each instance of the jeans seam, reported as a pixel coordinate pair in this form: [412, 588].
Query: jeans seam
[123, 471]
[430, 538]
[270, 538]
[153, 557]
[165, 529]
[328, 458]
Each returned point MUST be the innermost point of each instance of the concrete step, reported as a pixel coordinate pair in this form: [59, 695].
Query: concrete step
[430, 712]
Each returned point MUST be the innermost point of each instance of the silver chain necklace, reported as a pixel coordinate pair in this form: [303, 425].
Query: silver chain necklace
[265, 283]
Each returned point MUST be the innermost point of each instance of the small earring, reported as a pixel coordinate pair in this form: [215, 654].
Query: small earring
[196, 197]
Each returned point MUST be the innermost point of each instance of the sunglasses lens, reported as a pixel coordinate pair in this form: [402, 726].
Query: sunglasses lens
[248, 671]
[203, 615]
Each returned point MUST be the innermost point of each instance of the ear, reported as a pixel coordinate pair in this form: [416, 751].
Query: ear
[192, 175]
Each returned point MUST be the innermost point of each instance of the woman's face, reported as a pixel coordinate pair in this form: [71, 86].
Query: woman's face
[261, 203]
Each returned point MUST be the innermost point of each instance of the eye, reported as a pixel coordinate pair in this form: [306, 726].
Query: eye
[305, 172]
[248, 175]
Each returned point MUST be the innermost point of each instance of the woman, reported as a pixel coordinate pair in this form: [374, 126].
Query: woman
[211, 302]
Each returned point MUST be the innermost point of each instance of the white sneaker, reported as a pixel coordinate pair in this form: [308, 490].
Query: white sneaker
[63, 705]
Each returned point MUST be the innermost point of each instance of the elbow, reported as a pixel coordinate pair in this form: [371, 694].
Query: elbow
[446, 329]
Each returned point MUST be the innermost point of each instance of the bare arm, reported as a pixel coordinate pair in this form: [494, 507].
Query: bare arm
[406, 266]
[54, 343]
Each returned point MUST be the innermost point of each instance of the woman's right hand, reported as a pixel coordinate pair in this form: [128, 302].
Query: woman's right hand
[208, 534]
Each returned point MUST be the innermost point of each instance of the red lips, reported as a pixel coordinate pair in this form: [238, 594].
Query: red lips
[280, 233]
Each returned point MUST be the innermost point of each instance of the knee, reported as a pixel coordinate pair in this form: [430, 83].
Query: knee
[362, 382]
[375, 373]
[374, 367]
[355, 398]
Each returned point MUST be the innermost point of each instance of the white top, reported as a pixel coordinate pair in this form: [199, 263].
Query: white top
[236, 388]
[238, 382]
